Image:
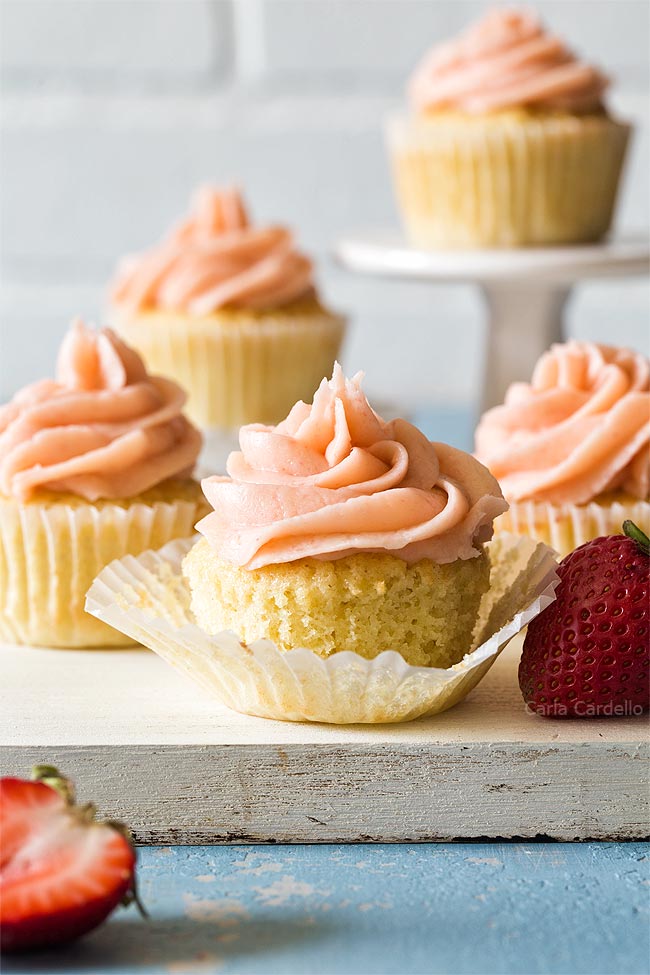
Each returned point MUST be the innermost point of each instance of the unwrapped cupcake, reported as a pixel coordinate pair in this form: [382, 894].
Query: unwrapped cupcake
[508, 142]
[337, 531]
[571, 449]
[345, 572]
[94, 464]
[230, 311]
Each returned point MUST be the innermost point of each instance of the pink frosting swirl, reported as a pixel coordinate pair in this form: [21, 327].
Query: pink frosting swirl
[213, 260]
[103, 429]
[506, 60]
[335, 479]
[579, 428]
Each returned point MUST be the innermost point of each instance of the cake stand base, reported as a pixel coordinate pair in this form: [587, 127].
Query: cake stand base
[523, 321]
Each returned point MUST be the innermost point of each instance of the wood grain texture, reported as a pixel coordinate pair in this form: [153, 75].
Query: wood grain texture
[180, 768]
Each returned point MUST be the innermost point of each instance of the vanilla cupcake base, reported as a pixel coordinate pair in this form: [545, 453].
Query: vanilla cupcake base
[53, 547]
[506, 179]
[365, 603]
[149, 599]
[238, 366]
[565, 527]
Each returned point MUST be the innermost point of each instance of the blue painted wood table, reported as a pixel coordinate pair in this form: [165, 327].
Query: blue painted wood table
[317, 910]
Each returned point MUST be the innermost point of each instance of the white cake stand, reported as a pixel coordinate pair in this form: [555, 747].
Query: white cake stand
[525, 289]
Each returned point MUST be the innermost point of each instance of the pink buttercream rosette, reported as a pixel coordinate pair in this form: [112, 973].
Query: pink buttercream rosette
[571, 448]
[506, 60]
[104, 428]
[334, 478]
[215, 259]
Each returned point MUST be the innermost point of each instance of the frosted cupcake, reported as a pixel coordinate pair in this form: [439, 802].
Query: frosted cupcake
[338, 531]
[508, 142]
[571, 449]
[94, 465]
[230, 311]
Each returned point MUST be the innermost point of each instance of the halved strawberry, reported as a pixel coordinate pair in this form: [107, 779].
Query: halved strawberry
[61, 871]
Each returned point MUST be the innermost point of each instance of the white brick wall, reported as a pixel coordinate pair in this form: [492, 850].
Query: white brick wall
[369, 41]
[115, 43]
[112, 111]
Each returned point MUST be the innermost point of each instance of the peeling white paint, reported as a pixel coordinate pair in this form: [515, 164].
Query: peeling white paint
[205, 878]
[250, 865]
[224, 910]
[263, 868]
[284, 888]
[374, 866]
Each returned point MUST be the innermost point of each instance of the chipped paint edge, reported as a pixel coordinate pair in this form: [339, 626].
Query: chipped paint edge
[227, 794]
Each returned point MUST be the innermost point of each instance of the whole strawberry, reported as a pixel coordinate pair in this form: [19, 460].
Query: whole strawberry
[588, 653]
[61, 871]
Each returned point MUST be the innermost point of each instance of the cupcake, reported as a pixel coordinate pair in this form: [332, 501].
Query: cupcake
[94, 465]
[508, 142]
[230, 311]
[335, 530]
[346, 573]
[571, 449]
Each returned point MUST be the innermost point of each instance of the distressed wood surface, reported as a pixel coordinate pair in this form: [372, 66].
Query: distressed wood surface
[441, 909]
[152, 749]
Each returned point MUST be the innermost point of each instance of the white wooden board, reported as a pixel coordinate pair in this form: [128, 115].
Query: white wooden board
[153, 750]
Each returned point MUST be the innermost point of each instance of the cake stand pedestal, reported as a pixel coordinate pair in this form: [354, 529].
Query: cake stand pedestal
[525, 289]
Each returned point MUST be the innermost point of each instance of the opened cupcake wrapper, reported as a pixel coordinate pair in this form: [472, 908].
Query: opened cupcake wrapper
[148, 599]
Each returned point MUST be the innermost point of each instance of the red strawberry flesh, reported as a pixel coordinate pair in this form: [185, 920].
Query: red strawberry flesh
[61, 872]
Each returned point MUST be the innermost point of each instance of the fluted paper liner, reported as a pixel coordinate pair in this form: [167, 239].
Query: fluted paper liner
[148, 599]
[50, 552]
[566, 526]
[506, 179]
[238, 367]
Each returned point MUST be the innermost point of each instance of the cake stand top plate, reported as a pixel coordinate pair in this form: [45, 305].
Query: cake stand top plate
[387, 253]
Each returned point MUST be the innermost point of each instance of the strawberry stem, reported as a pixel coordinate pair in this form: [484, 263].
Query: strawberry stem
[50, 775]
[133, 897]
[634, 532]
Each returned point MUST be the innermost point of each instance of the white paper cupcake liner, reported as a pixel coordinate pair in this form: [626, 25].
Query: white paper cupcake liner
[238, 367]
[565, 527]
[50, 552]
[148, 599]
[506, 180]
